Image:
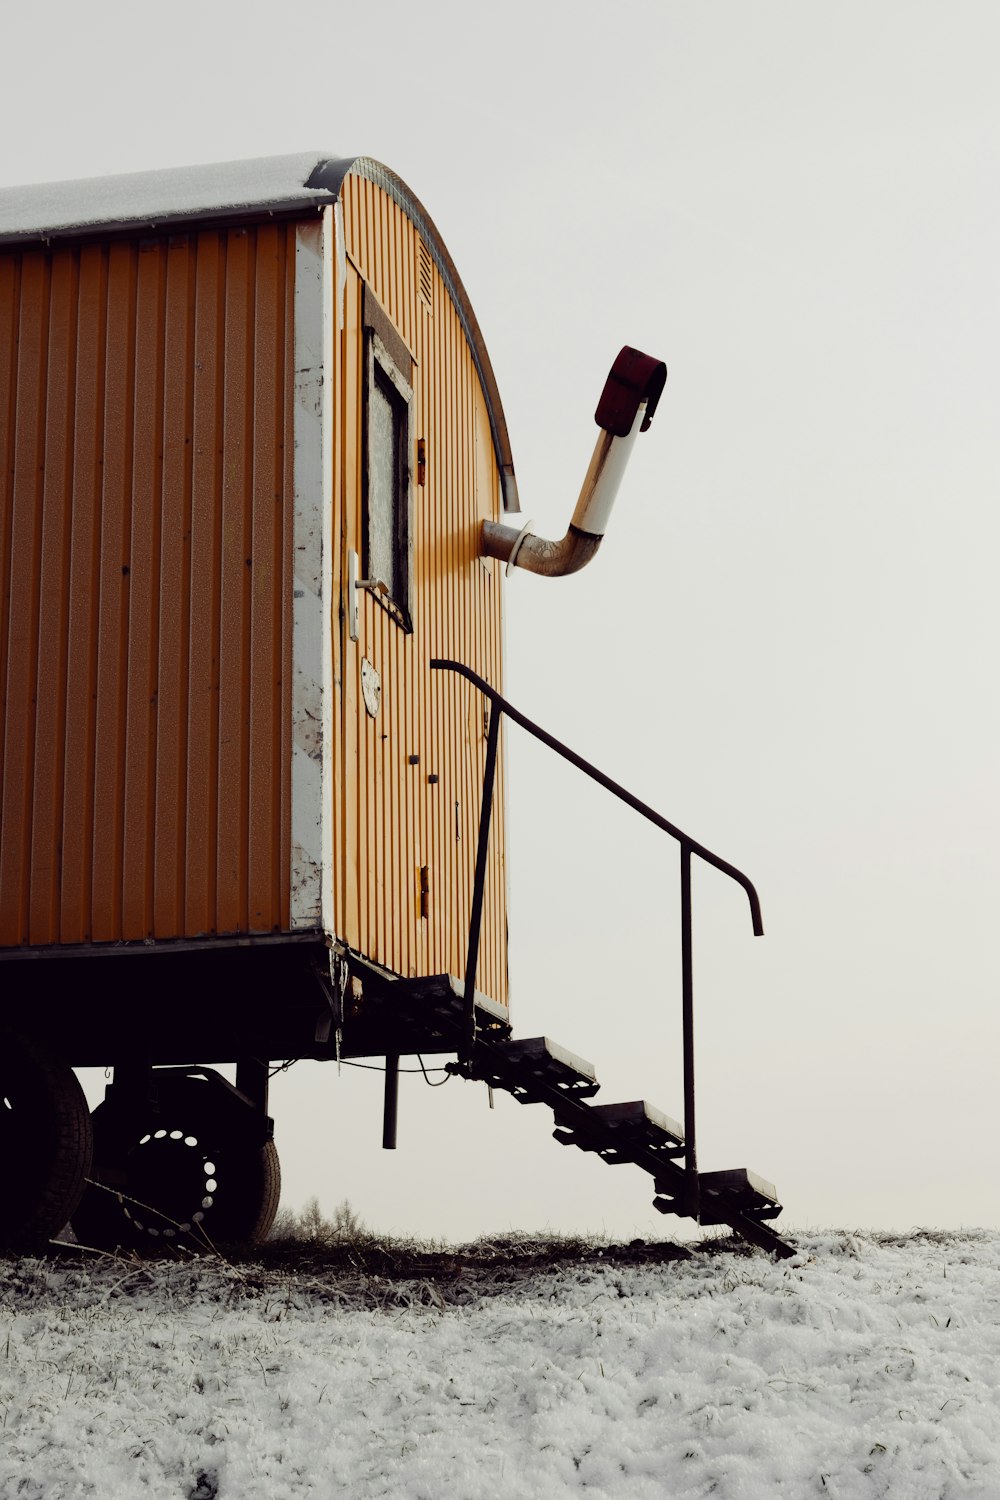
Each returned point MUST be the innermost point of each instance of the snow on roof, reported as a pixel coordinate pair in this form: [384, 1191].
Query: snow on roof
[261, 184]
[232, 189]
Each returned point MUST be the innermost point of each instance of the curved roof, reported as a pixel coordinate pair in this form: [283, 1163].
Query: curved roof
[262, 186]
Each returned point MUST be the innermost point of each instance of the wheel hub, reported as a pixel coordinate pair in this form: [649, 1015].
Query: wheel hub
[173, 1183]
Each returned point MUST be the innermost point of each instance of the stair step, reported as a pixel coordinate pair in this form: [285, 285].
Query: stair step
[538, 1071]
[440, 998]
[737, 1188]
[617, 1132]
[423, 1014]
[523, 1066]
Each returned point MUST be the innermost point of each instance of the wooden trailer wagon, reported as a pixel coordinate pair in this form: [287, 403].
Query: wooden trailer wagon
[256, 505]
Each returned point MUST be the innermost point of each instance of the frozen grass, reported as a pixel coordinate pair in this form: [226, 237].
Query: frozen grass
[514, 1367]
[454, 1273]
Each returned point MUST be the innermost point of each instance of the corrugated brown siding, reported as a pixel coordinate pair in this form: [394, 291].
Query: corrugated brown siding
[391, 818]
[145, 393]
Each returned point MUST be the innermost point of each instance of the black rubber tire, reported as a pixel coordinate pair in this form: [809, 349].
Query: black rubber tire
[193, 1174]
[46, 1142]
[270, 1194]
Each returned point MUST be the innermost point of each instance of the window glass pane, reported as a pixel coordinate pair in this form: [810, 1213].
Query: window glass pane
[383, 491]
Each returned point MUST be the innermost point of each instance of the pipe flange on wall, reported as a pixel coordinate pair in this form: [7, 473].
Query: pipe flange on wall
[521, 538]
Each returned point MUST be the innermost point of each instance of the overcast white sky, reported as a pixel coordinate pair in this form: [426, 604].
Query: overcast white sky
[787, 643]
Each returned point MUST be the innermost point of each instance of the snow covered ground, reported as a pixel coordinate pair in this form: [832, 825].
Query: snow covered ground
[866, 1366]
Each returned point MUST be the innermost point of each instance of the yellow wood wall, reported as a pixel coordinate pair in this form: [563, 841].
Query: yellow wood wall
[391, 818]
[145, 619]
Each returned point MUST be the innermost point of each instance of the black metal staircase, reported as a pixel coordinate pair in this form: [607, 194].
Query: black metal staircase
[538, 1071]
[429, 1014]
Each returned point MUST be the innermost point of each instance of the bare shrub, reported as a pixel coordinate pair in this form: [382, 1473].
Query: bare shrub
[311, 1227]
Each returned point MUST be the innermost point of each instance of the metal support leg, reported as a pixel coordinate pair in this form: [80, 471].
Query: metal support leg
[391, 1105]
[252, 1075]
[687, 983]
[133, 1087]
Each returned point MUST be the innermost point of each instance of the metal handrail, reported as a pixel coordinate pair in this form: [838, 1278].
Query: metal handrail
[688, 847]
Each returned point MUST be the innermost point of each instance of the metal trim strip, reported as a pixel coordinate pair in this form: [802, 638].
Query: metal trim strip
[144, 946]
[313, 748]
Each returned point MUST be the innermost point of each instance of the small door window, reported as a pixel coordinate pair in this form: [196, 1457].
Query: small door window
[388, 443]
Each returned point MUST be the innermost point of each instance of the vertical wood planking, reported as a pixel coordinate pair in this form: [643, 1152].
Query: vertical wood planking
[422, 708]
[233, 768]
[286, 401]
[144, 392]
[264, 582]
[50, 700]
[206, 530]
[437, 688]
[146, 781]
[170, 797]
[23, 596]
[404, 820]
[112, 621]
[10, 301]
[84, 583]
[143, 596]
